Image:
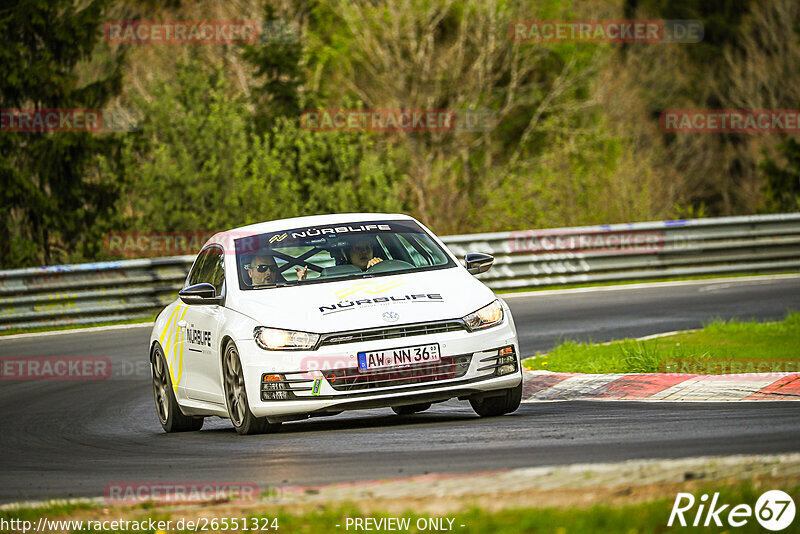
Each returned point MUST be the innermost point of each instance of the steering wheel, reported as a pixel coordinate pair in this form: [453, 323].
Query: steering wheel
[389, 265]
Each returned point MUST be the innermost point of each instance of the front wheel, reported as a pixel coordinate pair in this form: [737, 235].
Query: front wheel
[236, 397]
[169, 413]
[508, 402]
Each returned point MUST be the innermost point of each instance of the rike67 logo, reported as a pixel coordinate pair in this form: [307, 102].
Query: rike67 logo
[774, 510]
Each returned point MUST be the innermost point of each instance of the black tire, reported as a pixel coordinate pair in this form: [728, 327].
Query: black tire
[169, 411]
[411, 408]
[236, 396]
[493, 406]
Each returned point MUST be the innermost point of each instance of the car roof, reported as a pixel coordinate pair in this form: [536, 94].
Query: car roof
[300, 222]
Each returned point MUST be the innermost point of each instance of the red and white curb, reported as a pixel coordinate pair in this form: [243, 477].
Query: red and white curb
[549, 386]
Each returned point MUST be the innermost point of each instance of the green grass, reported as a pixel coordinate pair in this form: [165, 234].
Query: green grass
[719, 348]
[140, 320]
[647, 517]
[639, 281]
[52, 509]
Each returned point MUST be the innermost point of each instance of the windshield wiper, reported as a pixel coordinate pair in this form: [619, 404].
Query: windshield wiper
[276, 284]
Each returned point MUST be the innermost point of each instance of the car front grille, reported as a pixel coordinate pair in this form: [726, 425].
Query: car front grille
[351, 379]
[390, 332]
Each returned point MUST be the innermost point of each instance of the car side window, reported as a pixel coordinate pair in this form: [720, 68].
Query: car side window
[209, 268]
[195, 277]
[216, 269]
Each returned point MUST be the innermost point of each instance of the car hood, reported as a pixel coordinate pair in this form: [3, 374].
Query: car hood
[365, 303]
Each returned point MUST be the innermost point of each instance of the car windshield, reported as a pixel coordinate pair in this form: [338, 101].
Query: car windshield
[336, 252]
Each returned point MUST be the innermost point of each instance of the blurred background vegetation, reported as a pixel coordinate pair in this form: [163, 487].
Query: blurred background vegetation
[211, 135]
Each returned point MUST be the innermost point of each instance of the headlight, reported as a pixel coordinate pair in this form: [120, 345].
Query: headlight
[485, 317]
[276, 339]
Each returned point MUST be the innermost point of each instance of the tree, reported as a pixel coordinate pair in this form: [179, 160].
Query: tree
[456, 56]
[194, 153]
[782, 188]
[49, 198]
[277, 58]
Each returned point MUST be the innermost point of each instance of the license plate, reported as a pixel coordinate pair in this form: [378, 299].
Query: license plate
[378, 359]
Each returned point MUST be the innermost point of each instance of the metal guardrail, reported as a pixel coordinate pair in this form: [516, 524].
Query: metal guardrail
[129, 289]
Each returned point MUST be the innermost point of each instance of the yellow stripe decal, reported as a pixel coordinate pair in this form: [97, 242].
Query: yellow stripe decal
[169, 346]
[180, 351]
[370, 287]
[166, 329]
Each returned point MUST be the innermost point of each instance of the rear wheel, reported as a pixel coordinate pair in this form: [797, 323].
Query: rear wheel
[498, 405]
[411, 408]
[236, 397]
[170, 415]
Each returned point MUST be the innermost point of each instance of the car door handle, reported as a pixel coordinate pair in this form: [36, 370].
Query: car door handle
[181, 324]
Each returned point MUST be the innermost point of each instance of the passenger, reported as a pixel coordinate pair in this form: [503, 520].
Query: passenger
[361, 254]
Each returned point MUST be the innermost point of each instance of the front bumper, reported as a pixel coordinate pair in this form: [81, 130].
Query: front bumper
[327, 380]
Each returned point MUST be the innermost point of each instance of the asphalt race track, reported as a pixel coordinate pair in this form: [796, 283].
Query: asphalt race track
[71, 438]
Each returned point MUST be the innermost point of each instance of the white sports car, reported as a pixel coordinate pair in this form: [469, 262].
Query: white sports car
[311, 316]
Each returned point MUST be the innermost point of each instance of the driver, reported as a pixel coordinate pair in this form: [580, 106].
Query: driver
[262, 270]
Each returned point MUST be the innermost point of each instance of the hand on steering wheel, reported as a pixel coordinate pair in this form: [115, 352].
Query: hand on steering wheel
[373, 262]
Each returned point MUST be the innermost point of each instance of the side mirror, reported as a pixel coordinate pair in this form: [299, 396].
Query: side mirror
[478, 263]
[200, 294]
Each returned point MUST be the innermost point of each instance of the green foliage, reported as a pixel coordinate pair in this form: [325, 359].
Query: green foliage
[577, 180]
[211, 154]
[328, 172]
[722, 22]
[747, 59]
[457, 56]
[191, 149]
[782, 186]
[50, 196]
[277, 60]
[194, 164]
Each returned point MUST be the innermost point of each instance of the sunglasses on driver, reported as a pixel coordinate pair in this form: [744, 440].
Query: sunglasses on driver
[261, 267]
